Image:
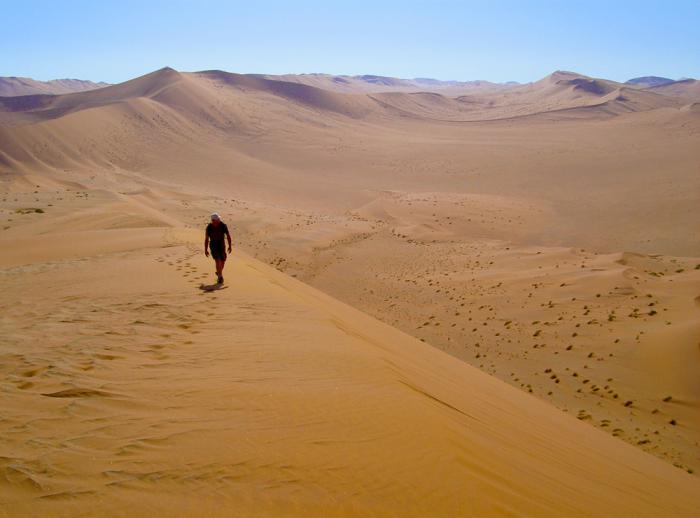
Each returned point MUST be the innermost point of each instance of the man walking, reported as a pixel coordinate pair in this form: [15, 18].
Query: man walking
[214, 241]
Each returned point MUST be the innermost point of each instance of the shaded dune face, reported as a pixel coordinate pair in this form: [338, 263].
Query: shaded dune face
[25, 103]
[294, 92]
[523, 253]
[590, 86]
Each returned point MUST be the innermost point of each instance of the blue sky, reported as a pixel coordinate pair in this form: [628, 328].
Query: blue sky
[494, 40]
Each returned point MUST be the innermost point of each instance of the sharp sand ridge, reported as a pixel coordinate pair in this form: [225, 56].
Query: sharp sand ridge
[128, 390]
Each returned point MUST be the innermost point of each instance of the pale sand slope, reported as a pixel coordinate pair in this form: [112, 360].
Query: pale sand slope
[685, 88]
[612, 338]
[128, 391]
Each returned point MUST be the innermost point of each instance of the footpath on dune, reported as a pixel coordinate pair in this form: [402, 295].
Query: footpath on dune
[128, 390]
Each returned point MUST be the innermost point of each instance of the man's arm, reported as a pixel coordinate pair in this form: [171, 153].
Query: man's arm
[228, 237]
[206, 245]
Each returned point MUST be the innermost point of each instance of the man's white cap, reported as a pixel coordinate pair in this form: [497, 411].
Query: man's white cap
[215, 216]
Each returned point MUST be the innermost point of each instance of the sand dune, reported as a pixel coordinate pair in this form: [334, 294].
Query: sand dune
[686, 89]
[546, 235]
[376, 84]
[568, 94]
[259, 142]
[14, 86]
[193, 93]
[139, 393]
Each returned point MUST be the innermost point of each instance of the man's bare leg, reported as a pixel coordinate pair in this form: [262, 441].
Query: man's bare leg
[220, 268]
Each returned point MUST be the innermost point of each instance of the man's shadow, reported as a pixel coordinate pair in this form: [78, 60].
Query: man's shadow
[212, 287]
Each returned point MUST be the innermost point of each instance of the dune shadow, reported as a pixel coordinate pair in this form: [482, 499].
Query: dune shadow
[212, 287]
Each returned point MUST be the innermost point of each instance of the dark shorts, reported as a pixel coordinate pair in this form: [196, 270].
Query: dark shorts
[218, 250]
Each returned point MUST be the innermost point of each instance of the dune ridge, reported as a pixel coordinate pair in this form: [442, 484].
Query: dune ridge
[271, 397]
[686, 89]
[15, 86]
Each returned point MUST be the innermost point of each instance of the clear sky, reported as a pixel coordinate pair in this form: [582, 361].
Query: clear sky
[498, 40]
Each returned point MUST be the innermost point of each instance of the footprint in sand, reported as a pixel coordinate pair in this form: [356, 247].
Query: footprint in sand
[33, 372]
[108, 357]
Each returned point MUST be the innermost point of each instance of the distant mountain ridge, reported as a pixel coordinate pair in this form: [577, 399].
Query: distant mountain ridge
[12, 86]
[18, 86]
[649, 81]
[369, 83]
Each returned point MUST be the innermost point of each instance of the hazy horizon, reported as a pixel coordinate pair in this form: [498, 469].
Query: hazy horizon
[681, 78]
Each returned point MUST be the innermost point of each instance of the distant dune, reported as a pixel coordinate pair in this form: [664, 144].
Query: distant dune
[686, 89]
[214, 115]
[556, 93]
[14, 86]
[377, 84]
